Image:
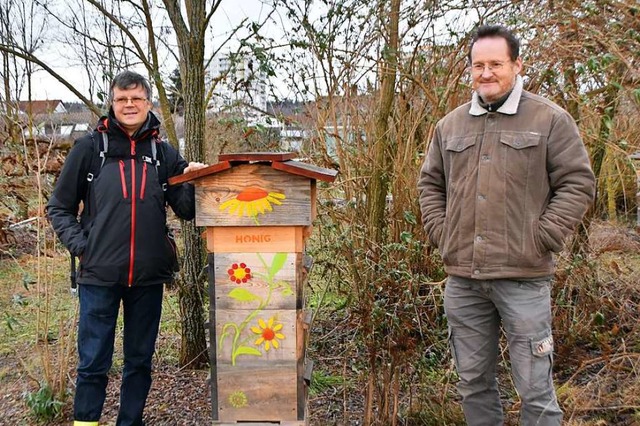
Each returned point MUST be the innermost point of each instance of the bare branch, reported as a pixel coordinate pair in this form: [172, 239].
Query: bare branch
[214, 7]
[141, 54]
[175, 15]
[33, 59]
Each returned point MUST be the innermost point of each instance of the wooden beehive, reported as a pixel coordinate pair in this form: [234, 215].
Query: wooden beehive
[258, 210]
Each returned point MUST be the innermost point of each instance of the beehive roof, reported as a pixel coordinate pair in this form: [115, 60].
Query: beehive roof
[283, 161]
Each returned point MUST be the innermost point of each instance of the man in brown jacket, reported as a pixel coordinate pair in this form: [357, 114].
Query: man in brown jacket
[505, 180]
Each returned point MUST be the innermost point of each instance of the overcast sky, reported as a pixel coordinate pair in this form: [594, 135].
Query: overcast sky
[229, 14]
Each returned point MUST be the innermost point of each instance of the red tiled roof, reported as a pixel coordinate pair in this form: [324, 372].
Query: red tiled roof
[39, 107]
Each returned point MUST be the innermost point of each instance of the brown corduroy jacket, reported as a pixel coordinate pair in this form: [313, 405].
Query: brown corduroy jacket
[500, 191]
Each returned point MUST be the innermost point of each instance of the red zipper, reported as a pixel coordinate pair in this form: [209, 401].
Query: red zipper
[132, 247]
[132, 244]
[123, 180]
[144, 181]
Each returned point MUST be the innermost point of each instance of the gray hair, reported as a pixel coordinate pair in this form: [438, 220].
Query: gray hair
[129, 80]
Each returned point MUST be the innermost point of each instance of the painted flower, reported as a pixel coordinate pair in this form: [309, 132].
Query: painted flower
[239, 273]
[252, 201]
[269, 334]
[238, 399]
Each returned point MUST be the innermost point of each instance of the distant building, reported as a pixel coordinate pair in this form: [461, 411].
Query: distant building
[53, 106]
[241, 86]
[294, 123]
[51, 120]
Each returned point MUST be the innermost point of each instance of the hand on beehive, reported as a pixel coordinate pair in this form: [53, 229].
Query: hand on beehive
[194, 166]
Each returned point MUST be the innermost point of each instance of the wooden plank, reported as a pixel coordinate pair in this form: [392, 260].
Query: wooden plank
[197, 174]
[314, 201]
[308, 371]
[213, 367]
[258, 393]
[242, 337]
[248, 280]
[253, 195]
[301, 280]
[257, 156]
[307, 170]
[304, 365]
[265, 239]
[300, 355]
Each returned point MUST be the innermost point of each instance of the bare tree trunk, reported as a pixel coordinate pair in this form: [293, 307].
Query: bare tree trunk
[191, 41]
[191, 303]
[379, 184]
[193, 351]
[380, 177]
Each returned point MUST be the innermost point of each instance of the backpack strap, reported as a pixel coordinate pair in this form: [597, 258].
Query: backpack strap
[105, 148]
[161, 166]
[102, 150]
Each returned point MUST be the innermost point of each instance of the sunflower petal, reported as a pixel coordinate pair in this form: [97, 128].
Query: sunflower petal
[278, 327]
[259, 205]
[227, 204]
[261, 323]
[256, 330]
[274, 201]
[242, 206]
[234, 206]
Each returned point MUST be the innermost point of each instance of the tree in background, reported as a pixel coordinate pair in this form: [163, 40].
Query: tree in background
[176, 101]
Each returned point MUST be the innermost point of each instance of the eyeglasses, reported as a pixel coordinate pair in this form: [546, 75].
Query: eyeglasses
[134, 100]
[492, 67]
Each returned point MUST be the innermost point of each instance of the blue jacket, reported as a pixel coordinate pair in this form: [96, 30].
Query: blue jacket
[121, 235]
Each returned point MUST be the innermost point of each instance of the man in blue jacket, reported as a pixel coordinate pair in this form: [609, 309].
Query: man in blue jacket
[119, 174]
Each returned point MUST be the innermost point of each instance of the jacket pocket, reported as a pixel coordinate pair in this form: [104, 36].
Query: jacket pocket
[541, 250]
[123, 180]
[522, 159]
[173, 250]
[460, 144]
[524, 245]
[143, 185]
[444, 238]
[520, 140]
[459, 160]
